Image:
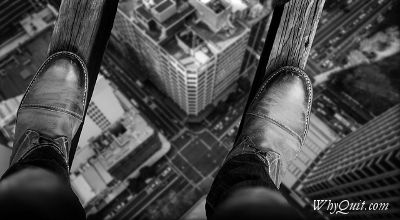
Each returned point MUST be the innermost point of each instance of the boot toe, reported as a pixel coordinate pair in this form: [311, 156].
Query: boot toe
[53, 106]
[59, 85]
[285, 99]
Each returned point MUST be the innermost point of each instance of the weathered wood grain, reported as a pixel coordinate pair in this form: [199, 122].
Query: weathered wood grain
[290, 36]
[289, 39]
[296, 31]
[83, 27]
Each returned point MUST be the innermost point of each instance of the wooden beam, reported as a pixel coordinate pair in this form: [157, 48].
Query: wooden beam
[298, 21]
[83, 27]
[289, 39]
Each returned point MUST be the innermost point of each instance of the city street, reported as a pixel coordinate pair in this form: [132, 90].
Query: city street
[175, 79]
[341, 30]
[197, 154]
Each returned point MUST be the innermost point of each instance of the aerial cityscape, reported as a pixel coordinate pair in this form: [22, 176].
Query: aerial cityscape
[172, 89]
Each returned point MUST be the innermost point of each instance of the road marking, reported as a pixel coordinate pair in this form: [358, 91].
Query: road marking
[212, 134]
[190, 141]
[194, 167]
[180, 172]
[205, 144]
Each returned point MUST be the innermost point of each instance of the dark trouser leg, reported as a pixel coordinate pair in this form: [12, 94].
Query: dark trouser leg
[37, 184]
[38, 187]
[243, 190]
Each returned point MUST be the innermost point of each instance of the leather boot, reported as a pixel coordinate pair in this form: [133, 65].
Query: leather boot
[52, 108]
[276, 123]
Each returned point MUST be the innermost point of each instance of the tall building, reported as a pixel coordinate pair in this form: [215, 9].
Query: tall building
[193, 49]
[319, 137]
[363, 166]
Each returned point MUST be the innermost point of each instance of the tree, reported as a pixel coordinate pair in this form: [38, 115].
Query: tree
[135, 185]
[221, 108]
[147, 172]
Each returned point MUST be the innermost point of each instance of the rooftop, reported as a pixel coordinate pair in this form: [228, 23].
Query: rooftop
[238, 5]
[216, 5]
[18, 68]
[142, 11]
[164, 5]
[8, 115]
[153, 26]
[32, 25]
[183, 35]
[189, 49]
[220, 40]
[122, 138]
[180, 15]
[189, 38]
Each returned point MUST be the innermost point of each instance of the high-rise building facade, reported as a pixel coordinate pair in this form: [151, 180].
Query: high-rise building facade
[319, 137]
[363, 166]
[194, 49]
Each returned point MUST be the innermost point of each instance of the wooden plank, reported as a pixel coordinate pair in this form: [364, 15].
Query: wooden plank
[83, 27]
[296, 31]
[289, 39]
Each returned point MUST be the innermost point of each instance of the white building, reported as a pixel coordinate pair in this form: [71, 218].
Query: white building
[82, 188]
[104, 109]
[194, 48]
